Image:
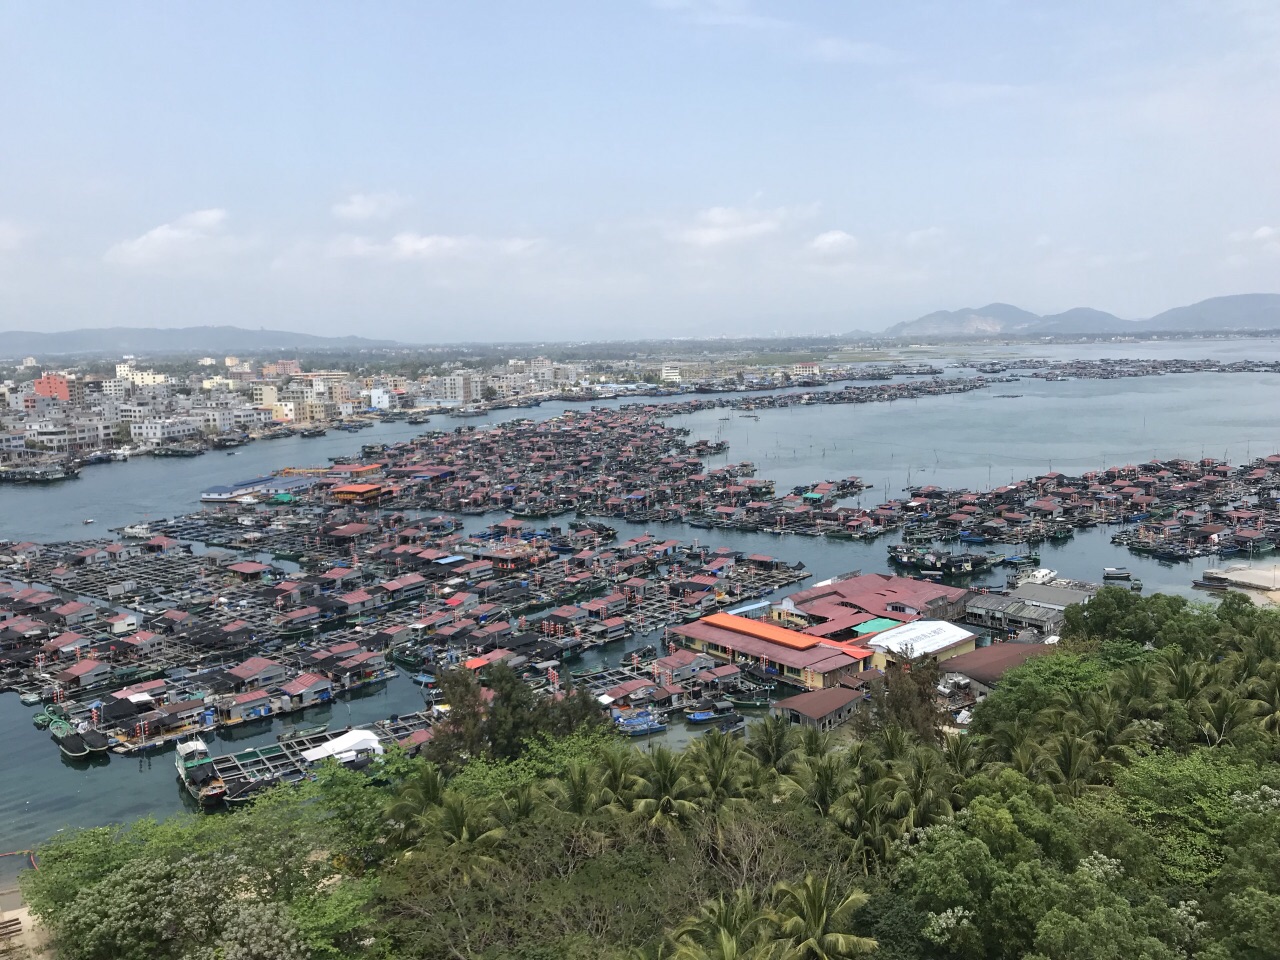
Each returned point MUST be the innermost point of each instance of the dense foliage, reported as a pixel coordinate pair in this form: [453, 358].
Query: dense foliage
[1117, 799]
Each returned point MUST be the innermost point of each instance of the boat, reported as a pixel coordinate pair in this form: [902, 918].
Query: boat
[748, 699]
[195, 767]
[41, 720]
[69, 742]
[1115, 573]
[424, 679]
[641, 728]
[730, 729]
[314, 432]
[700, 717]
[95, 740]
[88, 521]
[30, 699]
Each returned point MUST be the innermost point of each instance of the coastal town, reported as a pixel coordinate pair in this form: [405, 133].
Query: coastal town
[56, 420]
[463, 549]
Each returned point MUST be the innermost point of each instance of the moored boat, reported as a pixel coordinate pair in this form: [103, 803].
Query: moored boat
[196, 769]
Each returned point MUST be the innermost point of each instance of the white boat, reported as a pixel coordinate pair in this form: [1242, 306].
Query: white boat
[87, 522]
[195, 767]
[137, 531]
[1116, 573]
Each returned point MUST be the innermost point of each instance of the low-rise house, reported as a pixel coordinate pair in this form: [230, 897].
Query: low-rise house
[819, 709]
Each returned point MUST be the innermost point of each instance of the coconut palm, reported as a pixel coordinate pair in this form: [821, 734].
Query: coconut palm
[724, 930]
[1073, 765]
[965, 754]
[866, 814]
[773, 742]
[821, 781]
[925, 790]
[894, 743]
[815, 742]
[666, 796]
[1099, 717]
[578, 790]
[1222, 718]
[520, 803]
[470, 834]
[719, 766]
[1028, 758]
[410, 813]
[812, 920]
[1139, 688]
[1264, 695]
[618, 776]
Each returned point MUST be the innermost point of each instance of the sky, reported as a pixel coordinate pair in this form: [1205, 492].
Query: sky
[608, 169]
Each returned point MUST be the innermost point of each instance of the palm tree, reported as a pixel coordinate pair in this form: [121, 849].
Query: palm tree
[925, 790]
[1139, 688]
[1099, 717]
[469, 833]
[895, 743]
[520, 803]
[1265, 698]
[723, 930]
[1073, 765]
[415, 803]
[965, 754]
[866, 814]
[1187, 677]
[773, 742]
[815, 742]
[720, 768]
[666, 796]
[821, 781]
[618, 767]
[812, 921]
[578, 791]
[1223, 716]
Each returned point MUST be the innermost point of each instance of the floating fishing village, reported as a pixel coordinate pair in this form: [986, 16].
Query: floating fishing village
[301, 588]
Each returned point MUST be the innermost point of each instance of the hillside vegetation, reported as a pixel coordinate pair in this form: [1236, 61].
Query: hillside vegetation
[1119, 799]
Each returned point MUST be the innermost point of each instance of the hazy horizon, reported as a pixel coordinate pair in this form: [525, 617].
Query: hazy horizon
[693, 168]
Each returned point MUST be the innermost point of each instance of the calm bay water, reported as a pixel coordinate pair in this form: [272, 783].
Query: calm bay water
[978, 440]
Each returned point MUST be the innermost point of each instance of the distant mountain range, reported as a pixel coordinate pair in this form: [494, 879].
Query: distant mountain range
[1246, 311]
[212, 340]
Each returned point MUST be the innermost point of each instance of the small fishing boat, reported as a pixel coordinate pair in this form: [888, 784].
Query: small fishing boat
[195, 768]
[642, 728]
[95, 740]
[41, 720]
[1115, 573]
[69, 742]
[88, 521]
[729, 729]
[755, 699]
[423, 679]
[30, 699]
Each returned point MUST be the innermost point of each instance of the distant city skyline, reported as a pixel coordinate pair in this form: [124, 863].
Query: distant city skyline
[636, 169]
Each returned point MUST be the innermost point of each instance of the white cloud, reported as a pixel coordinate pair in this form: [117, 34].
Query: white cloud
[840, 50]
[435, 246]
[717, 226]
[1264, 239]
[833, 242]
[179, 239]
[368, 206]
[11, 236]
